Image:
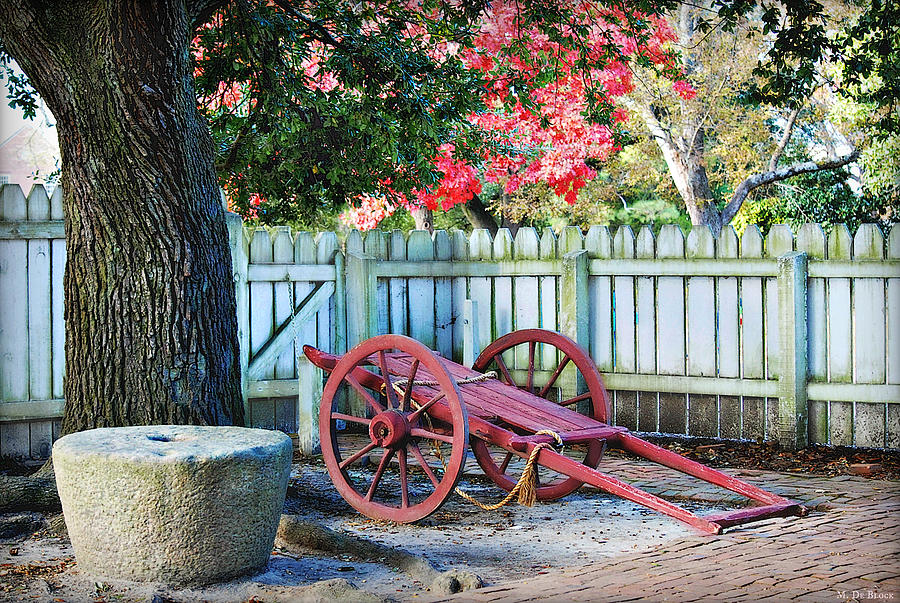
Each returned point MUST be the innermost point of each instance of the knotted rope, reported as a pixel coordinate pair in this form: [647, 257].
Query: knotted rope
[398, 385]
[525, 490]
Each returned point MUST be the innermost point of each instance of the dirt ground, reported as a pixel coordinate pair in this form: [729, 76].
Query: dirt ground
[514, 542]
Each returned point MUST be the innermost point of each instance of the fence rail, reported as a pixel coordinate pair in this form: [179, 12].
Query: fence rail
[788, 337]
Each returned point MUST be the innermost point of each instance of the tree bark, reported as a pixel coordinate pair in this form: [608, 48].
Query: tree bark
[757, 180]
[151, 330]
[478, 215]
[424, 218]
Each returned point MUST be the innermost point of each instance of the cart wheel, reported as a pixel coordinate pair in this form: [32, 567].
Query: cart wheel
[529, 354]
[389, 456]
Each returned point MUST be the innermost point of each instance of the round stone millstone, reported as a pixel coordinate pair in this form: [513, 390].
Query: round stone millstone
[171, 503]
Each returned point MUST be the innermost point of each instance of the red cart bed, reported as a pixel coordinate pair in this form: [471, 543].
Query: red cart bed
[418, 414]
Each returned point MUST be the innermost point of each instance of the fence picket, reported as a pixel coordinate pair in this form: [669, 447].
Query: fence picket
[397, 286]
[443, 297]
[503, 299]
[57, 321]
[869, 334]
[330, 339]
[480, 248]
[645, 319]
[40, 438]
[420, 248]
[14, 302]
[623, 326]
[671, 329]
[893, 341]
[779, 241]
[701, 335]
[15, 440]
[283, 253]
[262, 410]
[459, 252]
[305, 254]
[376, 245]
[40, 372]
[840, 345]
[598, 244]
[548, 289]
[811, 240]
[728, 333]
[526, 246]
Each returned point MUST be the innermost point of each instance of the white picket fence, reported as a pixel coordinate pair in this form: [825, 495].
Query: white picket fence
[792, 338]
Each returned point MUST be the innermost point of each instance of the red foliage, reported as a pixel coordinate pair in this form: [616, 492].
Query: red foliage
[552, 138]
[555, 139]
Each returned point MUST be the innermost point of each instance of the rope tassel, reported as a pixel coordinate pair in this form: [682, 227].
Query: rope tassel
[525, 490]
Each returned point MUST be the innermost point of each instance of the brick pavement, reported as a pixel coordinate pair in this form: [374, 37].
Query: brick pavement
[847, 548]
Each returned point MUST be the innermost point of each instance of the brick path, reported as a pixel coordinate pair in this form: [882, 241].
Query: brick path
[847, 548]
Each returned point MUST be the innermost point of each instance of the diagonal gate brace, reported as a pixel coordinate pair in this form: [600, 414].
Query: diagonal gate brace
[287, 332]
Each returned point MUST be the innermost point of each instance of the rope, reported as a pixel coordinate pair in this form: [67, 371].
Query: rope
[525, 490]
[398, 385]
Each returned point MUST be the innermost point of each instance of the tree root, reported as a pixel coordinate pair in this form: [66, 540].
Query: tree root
[35, 492]
[295, 533]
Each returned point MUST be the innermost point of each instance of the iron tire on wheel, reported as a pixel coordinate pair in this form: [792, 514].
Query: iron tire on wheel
[597, 402]
[395, 430]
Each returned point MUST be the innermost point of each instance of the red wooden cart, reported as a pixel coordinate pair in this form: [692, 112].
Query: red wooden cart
[396, 421]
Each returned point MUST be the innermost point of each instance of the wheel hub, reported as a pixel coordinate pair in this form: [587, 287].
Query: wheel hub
[389, 429]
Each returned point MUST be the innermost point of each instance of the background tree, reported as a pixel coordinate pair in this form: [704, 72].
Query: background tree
[729, 138]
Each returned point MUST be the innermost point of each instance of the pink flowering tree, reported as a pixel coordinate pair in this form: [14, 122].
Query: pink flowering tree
[548, 136]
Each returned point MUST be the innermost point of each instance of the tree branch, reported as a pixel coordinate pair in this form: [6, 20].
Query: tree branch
[324, 36]
[200, 11]
[785, 137]
[745, 187]
[655, 128]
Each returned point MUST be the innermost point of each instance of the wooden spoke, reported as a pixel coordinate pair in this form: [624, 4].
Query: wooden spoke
[404, 486]
[415, 416]
[414, 448]
[530, 384]
[364, 393]
[366, 369]
[424, 433]
[385, 459]
[494, 460]
[388, 388]
[571, 401]
[502, 366]
[505, 463]
[349, 461]
[555, 376]
[350, 418]
[404, 404]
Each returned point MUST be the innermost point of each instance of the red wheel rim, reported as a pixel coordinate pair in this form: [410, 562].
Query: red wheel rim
[594, 402]
[392, 427]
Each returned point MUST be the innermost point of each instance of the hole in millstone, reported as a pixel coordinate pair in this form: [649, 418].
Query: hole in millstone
[159, 438]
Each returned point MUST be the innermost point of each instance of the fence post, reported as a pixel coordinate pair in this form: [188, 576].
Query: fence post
[573, 297]
[240, 262]
[339, 327]
[361, 298]
[362, 320]
[310, 385]
[792, 381]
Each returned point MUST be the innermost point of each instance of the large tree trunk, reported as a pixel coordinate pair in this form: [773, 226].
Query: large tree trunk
[151, 332]
[478, 215]
[689, 176]
[423, 218]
